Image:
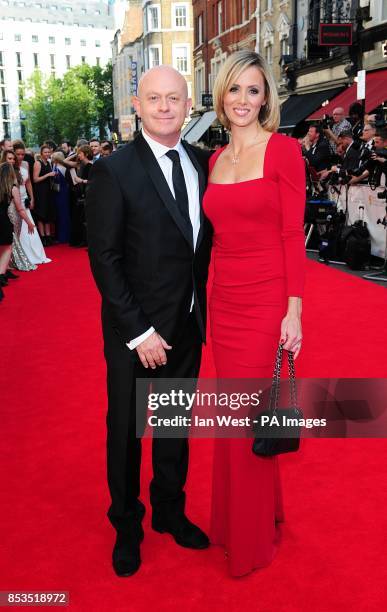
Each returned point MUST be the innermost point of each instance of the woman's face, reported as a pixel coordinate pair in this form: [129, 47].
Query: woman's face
[245, 97]
[45, 153]
[20, 153]
[10, 158]
[81, 156]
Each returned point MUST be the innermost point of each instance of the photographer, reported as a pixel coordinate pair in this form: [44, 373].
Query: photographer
[367, 148]
[317, 152]
[356, 118]
[350, 157]
[333, 126]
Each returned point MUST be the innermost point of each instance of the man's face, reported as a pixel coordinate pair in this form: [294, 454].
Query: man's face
[312, 134]
[368, 132]
[338, 115]
[7, 145]
[95, 147]
[162, 104]
[380, 143]
[344, 143]
[65, 148]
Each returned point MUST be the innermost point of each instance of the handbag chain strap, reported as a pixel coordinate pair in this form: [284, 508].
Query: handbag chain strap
[275, 387]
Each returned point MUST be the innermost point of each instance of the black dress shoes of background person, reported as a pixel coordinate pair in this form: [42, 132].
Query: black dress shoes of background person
[10, 275]
[1, 294]
[3, 280]
[182, 530]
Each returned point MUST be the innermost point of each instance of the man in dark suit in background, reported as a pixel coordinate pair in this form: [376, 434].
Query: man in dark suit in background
[149, 248]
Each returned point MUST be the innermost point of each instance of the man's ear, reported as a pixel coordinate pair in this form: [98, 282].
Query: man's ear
[137, 105]
[189, 106]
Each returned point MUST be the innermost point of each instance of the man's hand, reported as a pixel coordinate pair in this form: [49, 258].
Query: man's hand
[152, 351]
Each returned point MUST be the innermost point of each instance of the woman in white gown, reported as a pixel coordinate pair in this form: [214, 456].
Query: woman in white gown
[31, 243]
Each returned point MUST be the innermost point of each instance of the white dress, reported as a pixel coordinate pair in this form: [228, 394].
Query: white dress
[31, 243]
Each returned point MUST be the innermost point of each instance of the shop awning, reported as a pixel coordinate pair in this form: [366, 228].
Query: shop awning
[376, 93]
[298, 106]
[197, 131]
[190, 125]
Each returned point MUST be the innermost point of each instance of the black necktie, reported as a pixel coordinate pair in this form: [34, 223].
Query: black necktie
[179, 186]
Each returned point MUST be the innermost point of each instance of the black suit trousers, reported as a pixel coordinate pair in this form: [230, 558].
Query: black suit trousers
[169, 456]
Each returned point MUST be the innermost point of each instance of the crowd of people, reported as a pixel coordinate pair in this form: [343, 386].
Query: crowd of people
[345, 151]
[42, 200]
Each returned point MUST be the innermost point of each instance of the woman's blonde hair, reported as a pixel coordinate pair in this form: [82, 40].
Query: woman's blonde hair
[58, 156]
[238, 62]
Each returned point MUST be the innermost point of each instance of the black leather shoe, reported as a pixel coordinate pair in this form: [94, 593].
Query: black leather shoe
[182, 530]
[3, 280]
[1, 294]
[126, 552]
[10, 275]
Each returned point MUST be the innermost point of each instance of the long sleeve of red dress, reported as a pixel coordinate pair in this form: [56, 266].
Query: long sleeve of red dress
[290, 169]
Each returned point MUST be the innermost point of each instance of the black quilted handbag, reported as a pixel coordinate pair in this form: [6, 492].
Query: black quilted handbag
[279, 432]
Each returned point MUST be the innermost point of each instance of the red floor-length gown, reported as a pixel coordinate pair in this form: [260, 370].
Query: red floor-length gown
[259, 260]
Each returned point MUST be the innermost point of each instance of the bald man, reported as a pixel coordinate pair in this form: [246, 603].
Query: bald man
[149, 248]
[340, 124]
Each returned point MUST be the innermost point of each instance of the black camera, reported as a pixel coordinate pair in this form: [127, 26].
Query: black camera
[27, 202]
[327, 122]
[341, 177]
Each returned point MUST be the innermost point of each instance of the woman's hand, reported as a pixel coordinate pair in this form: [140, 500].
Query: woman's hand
[31, 228]
[291, 334]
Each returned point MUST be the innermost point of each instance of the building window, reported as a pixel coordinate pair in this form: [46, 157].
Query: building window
[219, 17]
[17, 37]
[18, 59]
[199, 85]
[285, 49]
[1, 58]
[51, 40]
[269, 54]
[199, 30]
[154, 56]
[83, 11]
[153, 14]
[83, 59]
[5, 111]
[68, 61]
[2, 80]
[67, 41]
[180, 16]
[97, 12]
[35, 38]
[3, 95]
[180, 54]
[269, 5]
[52, 61]
[36, 60]
[19, 76]
[83, 43]
[97, 61]
[97, 43]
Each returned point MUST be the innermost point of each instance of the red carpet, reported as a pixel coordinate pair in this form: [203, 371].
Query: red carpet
[54, 532]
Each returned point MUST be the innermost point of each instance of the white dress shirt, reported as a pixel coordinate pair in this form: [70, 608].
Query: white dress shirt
[192, 183]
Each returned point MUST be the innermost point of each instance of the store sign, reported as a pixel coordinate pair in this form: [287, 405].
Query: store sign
[133, 79]
[335, 34]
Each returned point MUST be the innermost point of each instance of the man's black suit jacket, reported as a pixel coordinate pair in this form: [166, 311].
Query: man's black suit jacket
[140, 246]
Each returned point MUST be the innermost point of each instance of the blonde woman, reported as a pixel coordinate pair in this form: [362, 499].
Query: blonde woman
[255, 200]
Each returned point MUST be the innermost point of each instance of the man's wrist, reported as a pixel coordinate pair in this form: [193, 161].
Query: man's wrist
[132, 344]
